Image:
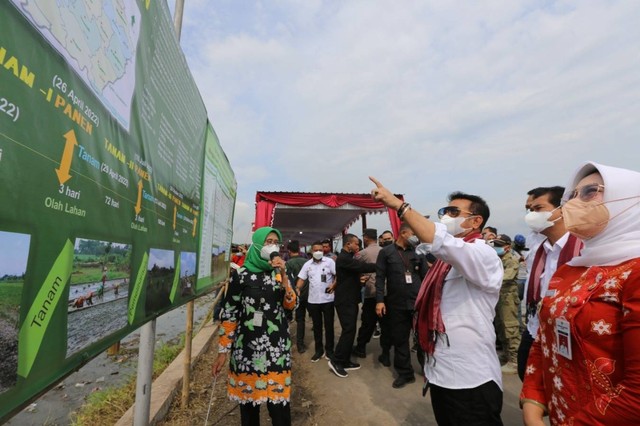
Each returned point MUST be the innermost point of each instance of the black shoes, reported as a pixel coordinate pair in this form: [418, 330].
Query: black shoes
[384, 359]
[352, 366]
[337, 369]
[302, 348]
[317, 356]
[400, 382]
[360, 353]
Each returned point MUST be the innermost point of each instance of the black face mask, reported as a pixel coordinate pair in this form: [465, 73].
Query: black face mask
[387, 243]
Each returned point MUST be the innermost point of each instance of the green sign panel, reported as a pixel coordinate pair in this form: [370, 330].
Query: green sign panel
[117, 197]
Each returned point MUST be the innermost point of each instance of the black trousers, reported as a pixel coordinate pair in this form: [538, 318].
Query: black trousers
[368, 320]
[400, 322]
[348, 316]
[280, 414]
[523, 352]
[322, 315]
[385, 333]
[301, 315]
[480, 406]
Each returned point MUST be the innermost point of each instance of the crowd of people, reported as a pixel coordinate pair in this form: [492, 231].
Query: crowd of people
[559, 307]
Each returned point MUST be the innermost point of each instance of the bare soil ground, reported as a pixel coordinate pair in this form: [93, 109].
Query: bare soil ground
[225, 412]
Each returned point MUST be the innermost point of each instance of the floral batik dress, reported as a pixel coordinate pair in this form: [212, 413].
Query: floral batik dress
[254, 329]
[584, 367]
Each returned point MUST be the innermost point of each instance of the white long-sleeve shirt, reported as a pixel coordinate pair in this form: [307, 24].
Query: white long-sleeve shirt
[470, 294]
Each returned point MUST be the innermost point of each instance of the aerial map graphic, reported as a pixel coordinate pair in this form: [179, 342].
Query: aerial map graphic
[98, 39]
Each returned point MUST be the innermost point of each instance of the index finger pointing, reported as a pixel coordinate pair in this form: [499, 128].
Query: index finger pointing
[375, 181]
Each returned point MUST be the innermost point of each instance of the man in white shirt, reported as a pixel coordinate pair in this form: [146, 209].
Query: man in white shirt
[455, 309]
[321, 273]
[555, 249]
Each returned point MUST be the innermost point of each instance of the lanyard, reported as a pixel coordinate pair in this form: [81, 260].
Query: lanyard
[406, 264]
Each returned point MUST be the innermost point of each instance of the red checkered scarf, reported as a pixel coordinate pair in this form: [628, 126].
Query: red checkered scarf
[427, 322]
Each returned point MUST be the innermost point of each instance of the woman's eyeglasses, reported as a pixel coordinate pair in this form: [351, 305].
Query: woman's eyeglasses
[586, 192]
[271, 241]
[451, 211]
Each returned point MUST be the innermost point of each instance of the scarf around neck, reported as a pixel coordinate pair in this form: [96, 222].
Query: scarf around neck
[254, 262]
[428, 324]
[569, 251]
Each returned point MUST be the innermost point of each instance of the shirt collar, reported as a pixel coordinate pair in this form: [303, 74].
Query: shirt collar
[559, 245]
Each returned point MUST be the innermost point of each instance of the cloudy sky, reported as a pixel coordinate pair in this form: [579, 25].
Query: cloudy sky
[491, 98]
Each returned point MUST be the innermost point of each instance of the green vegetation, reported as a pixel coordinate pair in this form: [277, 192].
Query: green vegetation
[10, 294]
[108, 405]
[91, 256]
[83, 274]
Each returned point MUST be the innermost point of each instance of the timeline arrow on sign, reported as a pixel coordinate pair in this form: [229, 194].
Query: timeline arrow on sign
[175, 213]
[138, 207]
[67, 156]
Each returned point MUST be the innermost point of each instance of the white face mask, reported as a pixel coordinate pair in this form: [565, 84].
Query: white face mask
[266, 251]
[539, 221]
[317, 255]
[453, 224]
[413, 240]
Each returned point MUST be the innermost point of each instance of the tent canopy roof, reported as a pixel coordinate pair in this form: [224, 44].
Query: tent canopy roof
[313, 216]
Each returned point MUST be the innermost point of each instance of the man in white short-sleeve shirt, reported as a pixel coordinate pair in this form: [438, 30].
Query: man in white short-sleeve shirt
[321, 273]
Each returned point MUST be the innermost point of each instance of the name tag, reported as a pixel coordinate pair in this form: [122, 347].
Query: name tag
[407, 278]
[563, 337]
[257, 318]
[550, 293]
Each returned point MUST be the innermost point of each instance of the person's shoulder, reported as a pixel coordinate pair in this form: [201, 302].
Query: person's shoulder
[388, 249]
[373, 250]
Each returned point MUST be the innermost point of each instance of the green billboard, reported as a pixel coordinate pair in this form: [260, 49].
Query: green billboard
[117, 197]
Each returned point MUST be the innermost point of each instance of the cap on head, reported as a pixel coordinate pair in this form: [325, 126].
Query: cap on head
[502, 240]
[520, 240]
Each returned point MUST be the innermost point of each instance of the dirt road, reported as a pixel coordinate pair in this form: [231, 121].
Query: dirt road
[366, 397]
[321, 398]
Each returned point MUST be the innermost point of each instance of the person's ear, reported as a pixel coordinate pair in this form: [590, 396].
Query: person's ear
[476, 221]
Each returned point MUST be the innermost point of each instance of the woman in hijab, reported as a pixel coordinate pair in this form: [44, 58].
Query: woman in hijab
[254, 330]
[584, 367]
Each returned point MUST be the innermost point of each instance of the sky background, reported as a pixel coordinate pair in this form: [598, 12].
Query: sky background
[15, 253]
[160, 258]
[491, 98]
[187, 263]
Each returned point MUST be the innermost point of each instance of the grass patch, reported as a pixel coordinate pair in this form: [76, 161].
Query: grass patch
[105, 407]
[10, 294]
[81, 275]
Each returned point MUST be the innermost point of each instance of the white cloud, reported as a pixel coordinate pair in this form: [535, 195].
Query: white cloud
[492, 97]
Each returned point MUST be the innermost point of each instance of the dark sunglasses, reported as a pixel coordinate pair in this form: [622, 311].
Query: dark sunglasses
[586, 192]
[451, 211]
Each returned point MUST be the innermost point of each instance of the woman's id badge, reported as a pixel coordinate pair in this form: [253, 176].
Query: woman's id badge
[563, 337]
[257, 318]
[407, 277]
